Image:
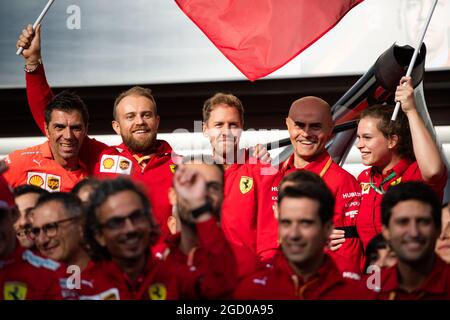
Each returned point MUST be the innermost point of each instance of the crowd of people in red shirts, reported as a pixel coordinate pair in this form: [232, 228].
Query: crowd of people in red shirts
[82, 220]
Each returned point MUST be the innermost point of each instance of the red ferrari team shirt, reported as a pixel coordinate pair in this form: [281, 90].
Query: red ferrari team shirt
[167, 280]
[36, 166]
[346, 192]
[374, 184]
[435, 287]
[280, 282]
[26, 276]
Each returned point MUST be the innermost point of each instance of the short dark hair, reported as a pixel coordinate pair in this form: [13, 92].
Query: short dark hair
[202, 159]
[91, 182]
[300, 176]
[106, 189]
[67, 101]
[70, 203]
[317, 191]
[376, 243]
[222, 98]
[411, 190]
[388, 128]
[135, 91]
[28, 188]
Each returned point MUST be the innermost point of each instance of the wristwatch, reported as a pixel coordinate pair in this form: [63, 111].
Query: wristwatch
[207, 207]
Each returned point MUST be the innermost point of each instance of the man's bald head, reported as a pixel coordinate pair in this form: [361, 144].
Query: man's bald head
[310, 103]
[310, 125]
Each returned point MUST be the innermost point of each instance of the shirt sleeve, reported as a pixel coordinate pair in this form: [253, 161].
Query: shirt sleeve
[13, 174]
[221, 277]
[39, 95]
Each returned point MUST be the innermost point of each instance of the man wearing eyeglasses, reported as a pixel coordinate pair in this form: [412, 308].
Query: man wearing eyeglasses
[23, 275]
[56, 228]
[120, 231]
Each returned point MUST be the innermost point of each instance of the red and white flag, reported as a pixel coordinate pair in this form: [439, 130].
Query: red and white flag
[260, 36]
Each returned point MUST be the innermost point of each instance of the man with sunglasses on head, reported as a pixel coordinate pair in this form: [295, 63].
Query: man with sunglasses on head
[23, 275]
[120, 231]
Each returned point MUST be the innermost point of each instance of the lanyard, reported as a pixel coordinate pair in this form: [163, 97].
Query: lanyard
[381, 190]
[326, 167]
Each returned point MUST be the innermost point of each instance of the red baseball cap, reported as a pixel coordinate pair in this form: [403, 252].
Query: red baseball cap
[6, 195]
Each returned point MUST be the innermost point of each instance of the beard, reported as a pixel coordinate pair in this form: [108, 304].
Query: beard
[138, 146]
[186, 218]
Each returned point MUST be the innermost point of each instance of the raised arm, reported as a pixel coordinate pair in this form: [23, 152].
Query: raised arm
[221, 277]
[39, 93]
[425, 148]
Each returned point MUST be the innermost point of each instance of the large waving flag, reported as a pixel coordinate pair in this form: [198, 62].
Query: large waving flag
[260, 36]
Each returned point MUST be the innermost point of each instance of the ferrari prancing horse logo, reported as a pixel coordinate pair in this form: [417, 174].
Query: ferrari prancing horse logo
[245, 184]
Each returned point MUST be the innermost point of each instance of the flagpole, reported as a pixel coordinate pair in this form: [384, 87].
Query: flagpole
[415, 54]
[38, 20]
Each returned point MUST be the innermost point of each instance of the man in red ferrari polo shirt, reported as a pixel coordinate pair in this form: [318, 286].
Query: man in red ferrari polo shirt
[23, 274]
[411, 217]
[310, 127]
[141, 155]
[301, 269]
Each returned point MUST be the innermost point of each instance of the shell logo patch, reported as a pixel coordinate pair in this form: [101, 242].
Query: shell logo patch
[246, 184]
[157, 291]
[365, 188]
[124, 164]
[15, 291]
[172, 167]
[397, 181]
[108, 163]
[47, 181]
[36, 180]
[115, 164]
[53, 183]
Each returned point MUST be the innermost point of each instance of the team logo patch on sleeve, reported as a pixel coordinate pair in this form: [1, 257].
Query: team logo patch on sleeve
[53, 183]
[157, 291]
[108, 163]
[124, 166]
[365, 188]
[15, 291]
[36, 179]
[246, 184]
[49, 182]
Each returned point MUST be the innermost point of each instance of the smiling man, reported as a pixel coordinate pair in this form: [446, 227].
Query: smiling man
[411, 217]
[56, 228]
[301, 269]
[310, 126]
[120, 231]
[135, 118]
[54, 165]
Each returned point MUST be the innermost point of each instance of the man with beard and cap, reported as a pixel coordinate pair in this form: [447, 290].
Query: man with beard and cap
[310, 126]
[411, 217]
[141, 155]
